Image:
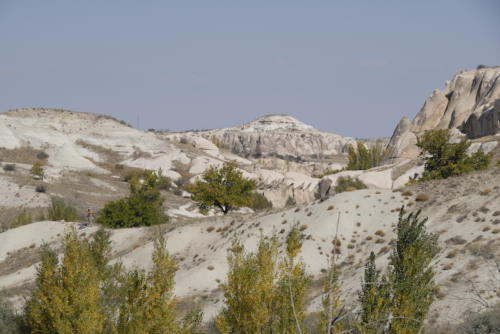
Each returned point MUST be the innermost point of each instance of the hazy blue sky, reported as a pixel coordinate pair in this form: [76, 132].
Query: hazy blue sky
[349, 67]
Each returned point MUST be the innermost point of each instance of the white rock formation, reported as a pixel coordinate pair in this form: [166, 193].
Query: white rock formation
[469, 102]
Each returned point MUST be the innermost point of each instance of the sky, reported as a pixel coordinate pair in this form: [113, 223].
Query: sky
[345, 66]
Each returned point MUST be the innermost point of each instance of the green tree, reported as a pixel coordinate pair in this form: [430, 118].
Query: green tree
[374, 298]
[331, 304]
[361, 158]
[444, 159]
[264, 294]
[67, 298]
[250, 291]
[144, 206]
[224, 188]
[149, 307]
[292, 285]
[411, 275]
[59, 210]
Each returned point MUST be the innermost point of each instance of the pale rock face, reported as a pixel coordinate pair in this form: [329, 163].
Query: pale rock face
[470, 102]
[280, 135]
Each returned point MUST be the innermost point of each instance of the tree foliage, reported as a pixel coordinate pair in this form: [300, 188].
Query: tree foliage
[224, 188]
[59, 210]
[83, 293]
[263, 293]
[361, 158]
[143, 207]
[399, 301]
[444, 159]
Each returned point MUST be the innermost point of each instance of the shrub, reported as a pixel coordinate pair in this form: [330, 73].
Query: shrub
[422, 197]
[9, 167]
[407, 193]
[144, 206]
[444, 159]
[347, 183]
[224, 188]
[23, 218]
[62, 211]
[363, 158]
[40, 188]
[260, 202]
[42, 155]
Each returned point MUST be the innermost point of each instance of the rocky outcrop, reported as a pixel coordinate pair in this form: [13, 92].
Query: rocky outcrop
[468, 103]
[281, 136]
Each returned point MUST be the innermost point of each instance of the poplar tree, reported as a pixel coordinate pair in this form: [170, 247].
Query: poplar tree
[250, 291]
[374, 298]
[67, 299]
[292, 286]
[411, 275]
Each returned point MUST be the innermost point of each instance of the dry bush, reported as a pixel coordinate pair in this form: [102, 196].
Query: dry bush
[210, 268]
[448, 266]
[485, 191]
[350, 246]
[331, 207]
[407, 193]
[422, 197]
[303, 228]
[369, 237]
[380, 233]
[383, 250]
[210, 229]
[452, 254]
[458, 240]
[380, 241]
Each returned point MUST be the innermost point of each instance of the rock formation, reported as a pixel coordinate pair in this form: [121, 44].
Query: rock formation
[469, 103]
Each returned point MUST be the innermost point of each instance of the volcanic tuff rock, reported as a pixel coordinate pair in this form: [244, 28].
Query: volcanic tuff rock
[280, 135]
[470, 103]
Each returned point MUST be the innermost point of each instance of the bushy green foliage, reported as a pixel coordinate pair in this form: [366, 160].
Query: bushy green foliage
[144, 206]
[37, 169]
[59, 210]
[260, 202]
[347, 183]
[263, 293]
[224, 188]
[363, 158]
[406, 292]
[444, 159]
[23, 218]
[83, 293]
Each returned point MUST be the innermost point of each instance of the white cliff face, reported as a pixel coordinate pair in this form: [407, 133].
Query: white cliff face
[279, 135]
[469, 103]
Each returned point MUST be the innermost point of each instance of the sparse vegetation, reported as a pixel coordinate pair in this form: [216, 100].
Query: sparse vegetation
[224, 188]
[23, 218]
[59, 210]
[444, 159]
[347, 183]
[260, 202]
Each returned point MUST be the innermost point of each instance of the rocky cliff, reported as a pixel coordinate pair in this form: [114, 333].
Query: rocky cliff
[469, 104]
[279, 135]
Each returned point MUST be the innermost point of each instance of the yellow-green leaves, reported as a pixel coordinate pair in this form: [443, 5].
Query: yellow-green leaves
[263, 293]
